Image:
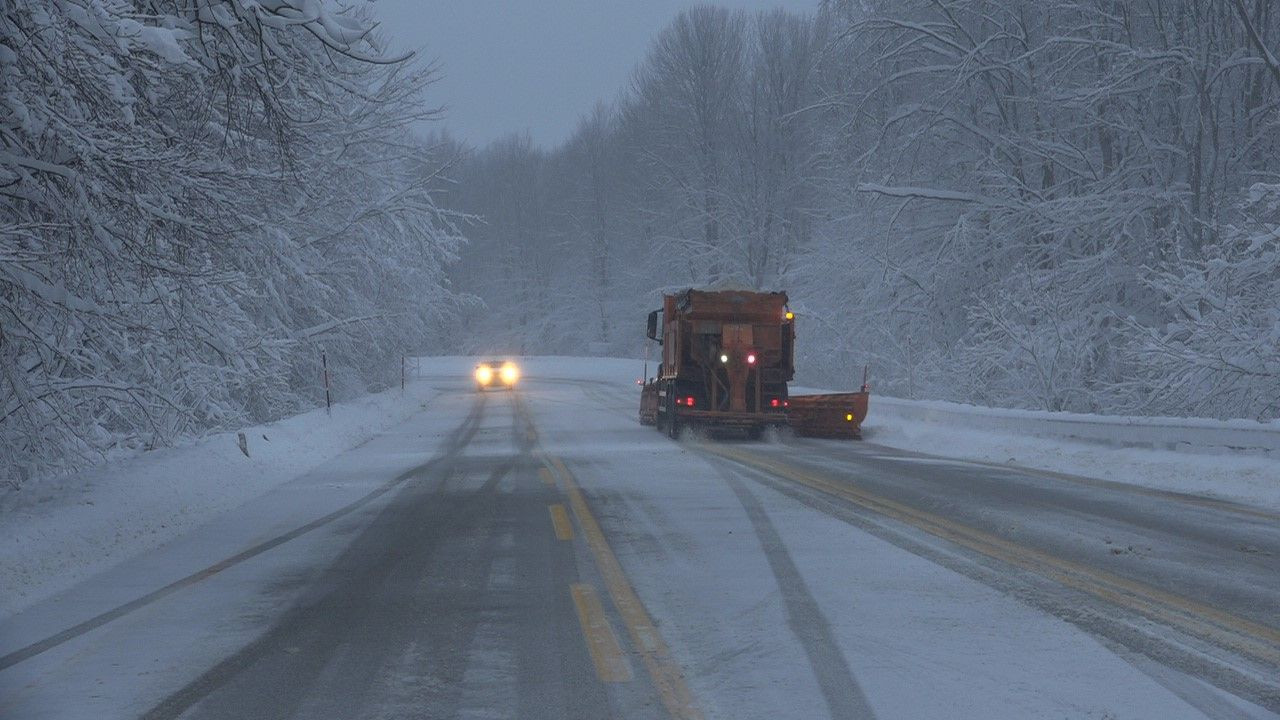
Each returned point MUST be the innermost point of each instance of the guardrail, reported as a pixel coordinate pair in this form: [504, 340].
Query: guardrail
[1161, 433]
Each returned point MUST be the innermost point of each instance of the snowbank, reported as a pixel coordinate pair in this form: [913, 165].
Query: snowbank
[1236, 460]
[57, 531]
[1161, 433]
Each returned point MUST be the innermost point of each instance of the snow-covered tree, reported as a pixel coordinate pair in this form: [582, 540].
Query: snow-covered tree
[1218, 354]
[195, 198]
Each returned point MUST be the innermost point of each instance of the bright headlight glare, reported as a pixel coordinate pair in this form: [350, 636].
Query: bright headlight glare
[510, 373]
[484, 374]
[724, 358]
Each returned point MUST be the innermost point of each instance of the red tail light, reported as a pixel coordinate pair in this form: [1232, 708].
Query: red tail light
[689, 401]
[786, 403]
[751, 359]
[773, 402]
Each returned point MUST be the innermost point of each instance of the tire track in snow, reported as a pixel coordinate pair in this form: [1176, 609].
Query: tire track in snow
[1117, 624]
[459, 438]
[840, 689]
[299, 628]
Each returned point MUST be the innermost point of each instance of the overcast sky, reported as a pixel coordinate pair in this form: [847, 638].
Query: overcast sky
[536, 65]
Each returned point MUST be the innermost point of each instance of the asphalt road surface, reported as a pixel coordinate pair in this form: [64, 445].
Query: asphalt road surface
[538, 554]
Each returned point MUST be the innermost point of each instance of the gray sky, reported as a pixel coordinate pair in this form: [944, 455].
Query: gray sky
[512, 65]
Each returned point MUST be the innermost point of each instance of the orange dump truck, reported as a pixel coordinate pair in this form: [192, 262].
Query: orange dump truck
[727, 356]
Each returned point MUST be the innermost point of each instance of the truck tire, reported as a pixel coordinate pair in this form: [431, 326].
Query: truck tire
[673, 422]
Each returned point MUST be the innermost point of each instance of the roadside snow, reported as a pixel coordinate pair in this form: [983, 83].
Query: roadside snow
[56, 532]
[775, 609]
[59, 530]
[1249, 478]
[1026, 439]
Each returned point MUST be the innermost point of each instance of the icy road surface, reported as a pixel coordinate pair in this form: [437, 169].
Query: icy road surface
[538, 554]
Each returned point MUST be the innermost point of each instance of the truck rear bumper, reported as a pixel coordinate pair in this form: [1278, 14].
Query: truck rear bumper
[726, 419]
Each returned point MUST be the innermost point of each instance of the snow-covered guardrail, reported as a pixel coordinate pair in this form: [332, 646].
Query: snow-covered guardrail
[1161, 433]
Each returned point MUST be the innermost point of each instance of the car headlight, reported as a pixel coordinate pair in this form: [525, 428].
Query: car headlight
[484, 374]
[510, 373]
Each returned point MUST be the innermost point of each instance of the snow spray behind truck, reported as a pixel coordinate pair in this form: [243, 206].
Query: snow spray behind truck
[727, 356]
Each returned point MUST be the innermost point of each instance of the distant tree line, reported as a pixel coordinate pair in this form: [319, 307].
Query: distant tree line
[1067, 205]
[197, 199]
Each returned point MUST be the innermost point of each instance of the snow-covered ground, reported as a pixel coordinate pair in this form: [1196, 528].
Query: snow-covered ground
[1244, 477]
[59, 530]
[1032, 439]
[780, 611]
[770, 606]
[63, 529]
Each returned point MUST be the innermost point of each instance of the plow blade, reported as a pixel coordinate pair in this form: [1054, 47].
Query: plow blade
[834, 415]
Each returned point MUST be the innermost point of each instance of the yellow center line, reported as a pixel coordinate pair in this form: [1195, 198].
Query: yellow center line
[611, 665]
[560, 521]
[667, 677]
[665, 673]
[547, 477]
[1242, 635]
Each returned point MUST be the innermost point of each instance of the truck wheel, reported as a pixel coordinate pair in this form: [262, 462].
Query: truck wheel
[673, 423]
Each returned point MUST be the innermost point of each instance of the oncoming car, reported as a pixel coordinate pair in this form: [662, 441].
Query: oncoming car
[496, 374]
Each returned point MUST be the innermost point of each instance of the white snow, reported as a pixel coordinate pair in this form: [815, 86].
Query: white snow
[1251, 476]
[59, 530]
[1044, 440]
[919, 639]
[737, 606]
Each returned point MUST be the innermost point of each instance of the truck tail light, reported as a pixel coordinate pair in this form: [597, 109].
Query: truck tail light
[751, 359]
[689, 401]
[774, 402]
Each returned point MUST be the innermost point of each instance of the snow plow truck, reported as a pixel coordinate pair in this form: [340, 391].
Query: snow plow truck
[727, 356]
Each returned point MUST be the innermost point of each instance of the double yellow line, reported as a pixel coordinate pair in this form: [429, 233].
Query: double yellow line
[611, 666]
[606, 654]
[1229, 631]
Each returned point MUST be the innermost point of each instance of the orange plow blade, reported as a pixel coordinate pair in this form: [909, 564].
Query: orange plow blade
[834, 415]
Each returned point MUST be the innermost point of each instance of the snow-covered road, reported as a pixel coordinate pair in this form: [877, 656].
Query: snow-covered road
[539, 554]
